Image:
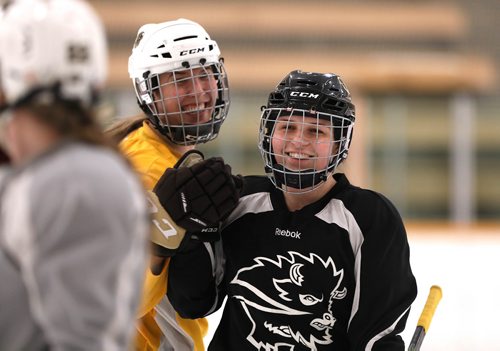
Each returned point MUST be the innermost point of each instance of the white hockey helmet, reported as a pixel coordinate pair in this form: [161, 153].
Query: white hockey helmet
[185, 50]
[52, 45]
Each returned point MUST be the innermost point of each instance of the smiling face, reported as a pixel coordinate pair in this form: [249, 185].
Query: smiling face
[303, 143]
[186, 97]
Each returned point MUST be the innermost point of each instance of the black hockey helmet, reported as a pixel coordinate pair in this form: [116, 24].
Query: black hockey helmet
[307, 94]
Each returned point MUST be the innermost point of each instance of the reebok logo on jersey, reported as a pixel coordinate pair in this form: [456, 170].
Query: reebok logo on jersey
[287, 233]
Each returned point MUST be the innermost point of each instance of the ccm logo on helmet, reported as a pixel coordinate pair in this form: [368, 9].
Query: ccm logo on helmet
[192, 51]
[304, 95]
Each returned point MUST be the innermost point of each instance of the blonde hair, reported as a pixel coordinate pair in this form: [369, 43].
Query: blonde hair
[118, 130]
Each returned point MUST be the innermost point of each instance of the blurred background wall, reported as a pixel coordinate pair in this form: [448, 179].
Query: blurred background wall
[423, 74]
[424, 78]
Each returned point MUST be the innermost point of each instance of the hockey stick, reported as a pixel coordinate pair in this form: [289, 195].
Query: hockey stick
[425, 319]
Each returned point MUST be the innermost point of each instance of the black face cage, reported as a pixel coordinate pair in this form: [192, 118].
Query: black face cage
[313, 169]
[155, 104]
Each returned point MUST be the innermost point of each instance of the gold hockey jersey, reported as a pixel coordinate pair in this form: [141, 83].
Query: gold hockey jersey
[158, 324]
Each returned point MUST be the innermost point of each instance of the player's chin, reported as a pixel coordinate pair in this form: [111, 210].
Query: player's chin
[197, 117]
[297, 165]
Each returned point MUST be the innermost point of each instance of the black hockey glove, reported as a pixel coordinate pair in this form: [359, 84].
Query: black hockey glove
[198, 197]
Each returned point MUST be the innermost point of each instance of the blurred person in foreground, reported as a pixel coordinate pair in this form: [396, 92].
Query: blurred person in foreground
[182, 88]
[307, 260]
[73, 215]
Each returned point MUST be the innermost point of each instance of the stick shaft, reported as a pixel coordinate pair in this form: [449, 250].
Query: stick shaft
[417, 339]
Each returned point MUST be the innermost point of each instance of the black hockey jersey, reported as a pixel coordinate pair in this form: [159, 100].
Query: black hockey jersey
[334, 275]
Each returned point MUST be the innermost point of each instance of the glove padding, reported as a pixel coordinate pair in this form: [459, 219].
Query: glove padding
[199, 196]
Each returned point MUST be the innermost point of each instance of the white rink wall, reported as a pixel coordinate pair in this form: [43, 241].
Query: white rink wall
[465, 263]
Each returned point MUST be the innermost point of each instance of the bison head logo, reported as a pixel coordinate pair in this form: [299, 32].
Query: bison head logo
[285, 304]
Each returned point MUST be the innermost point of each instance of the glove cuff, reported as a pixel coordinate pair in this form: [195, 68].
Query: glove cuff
[189, 158]
[164, 231]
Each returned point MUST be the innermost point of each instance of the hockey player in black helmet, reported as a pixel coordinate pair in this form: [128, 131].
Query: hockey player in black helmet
[318, 107]
[307, 261]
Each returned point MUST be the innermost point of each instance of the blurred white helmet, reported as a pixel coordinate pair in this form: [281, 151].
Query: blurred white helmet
[52, 43]
[184, 110]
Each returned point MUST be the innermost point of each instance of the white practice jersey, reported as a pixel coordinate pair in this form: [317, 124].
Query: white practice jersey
[73, 249]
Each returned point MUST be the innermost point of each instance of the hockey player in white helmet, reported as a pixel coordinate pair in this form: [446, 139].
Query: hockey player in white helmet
[180, 81]
[74, 220]
[181, 85]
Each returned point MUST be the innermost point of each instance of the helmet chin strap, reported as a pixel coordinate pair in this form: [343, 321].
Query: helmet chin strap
[192, 135]
[298, 180]
[44, 94]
